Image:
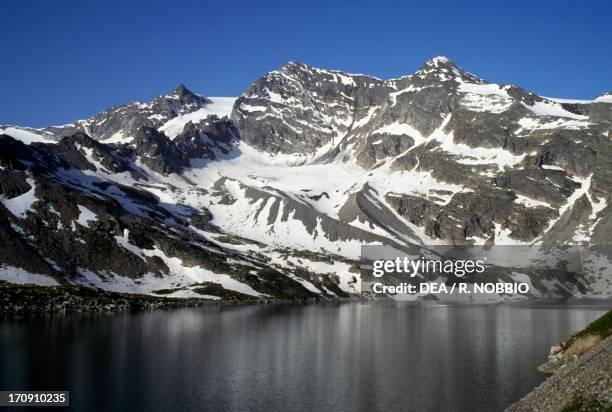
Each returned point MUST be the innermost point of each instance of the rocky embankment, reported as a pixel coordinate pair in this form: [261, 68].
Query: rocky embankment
[581, 371]
[22, 299]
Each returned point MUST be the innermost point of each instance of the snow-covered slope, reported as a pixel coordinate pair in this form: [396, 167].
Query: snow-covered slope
[273, 193]
[168, 113]
[218, 106]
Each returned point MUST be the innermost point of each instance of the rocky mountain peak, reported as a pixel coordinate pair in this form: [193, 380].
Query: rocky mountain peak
[302, 70]
[294, 63]
[186, 96]
[182, 90]
[439, 64]
[441, 68]
[438, 61]
[437, 157]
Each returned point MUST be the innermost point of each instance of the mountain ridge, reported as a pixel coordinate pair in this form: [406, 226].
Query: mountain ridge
[298, 172]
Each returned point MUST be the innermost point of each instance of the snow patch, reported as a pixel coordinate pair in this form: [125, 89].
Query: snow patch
[476, 155]
[548, 108]
[604, 98]
[25, 136]
[20, 205]
[119, 138]
[199, 274]
[20, 276]
[86, 216]
[219, 106]
[491, 98]
[570, 101]
[529, 123]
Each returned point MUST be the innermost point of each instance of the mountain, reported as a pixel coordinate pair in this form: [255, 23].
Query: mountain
[272, 194]
[119, 124]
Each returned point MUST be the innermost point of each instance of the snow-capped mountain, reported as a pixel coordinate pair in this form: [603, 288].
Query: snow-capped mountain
[273, 193]
[120, 124]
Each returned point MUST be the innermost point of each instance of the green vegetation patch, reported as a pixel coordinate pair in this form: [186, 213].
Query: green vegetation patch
[601, 327]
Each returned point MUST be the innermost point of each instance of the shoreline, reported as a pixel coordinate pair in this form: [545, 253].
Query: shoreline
[17, 299]
[33, 299]
[579, 373]
[585, 375]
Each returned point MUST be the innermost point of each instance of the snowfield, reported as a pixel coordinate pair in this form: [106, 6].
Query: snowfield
[219, 106]
[313, 210]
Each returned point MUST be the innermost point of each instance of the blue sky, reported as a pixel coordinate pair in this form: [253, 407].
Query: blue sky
[65, 60]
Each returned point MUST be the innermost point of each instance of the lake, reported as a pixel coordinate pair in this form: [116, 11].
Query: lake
[353, 356]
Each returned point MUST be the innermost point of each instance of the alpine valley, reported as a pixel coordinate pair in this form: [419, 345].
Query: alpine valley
[272, 194]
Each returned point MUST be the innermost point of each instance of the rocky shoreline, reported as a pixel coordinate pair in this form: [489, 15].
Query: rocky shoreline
[25, 299]
[581, 374]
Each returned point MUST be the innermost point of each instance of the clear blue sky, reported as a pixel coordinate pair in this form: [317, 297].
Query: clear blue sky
[65, 60]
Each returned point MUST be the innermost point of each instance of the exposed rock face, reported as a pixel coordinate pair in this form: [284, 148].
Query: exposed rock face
[308, 161]
[203, 139]
[444, 121]
[158, 152]
[301, 108]
[78, 227]
[380, 146]
[276, 206]
[127, 119]
[473, 215]
[13, 183]
[120, 123]
[363, 207]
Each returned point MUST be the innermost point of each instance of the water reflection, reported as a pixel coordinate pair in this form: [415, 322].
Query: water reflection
[351, 356]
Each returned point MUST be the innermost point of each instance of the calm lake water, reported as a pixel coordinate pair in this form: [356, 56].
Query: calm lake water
[344, 356]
